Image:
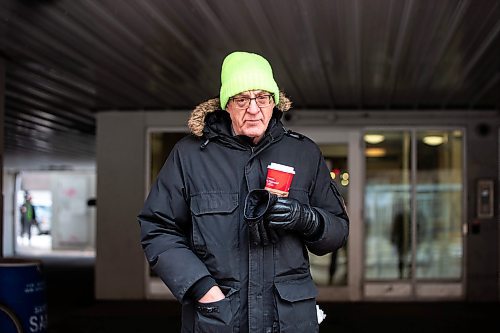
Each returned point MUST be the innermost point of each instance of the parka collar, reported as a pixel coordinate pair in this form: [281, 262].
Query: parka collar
[218, 128]
[197, 121]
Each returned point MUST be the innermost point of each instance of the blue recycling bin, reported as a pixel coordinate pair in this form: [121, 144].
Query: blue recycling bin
[23, 304]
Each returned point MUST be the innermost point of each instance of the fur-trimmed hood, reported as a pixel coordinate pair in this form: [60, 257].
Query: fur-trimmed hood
[196, 122]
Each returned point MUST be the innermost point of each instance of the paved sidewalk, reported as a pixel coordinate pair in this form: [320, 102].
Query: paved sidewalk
[162, 316]
[72, 308]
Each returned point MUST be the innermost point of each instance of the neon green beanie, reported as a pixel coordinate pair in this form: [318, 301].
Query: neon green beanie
[243, 71]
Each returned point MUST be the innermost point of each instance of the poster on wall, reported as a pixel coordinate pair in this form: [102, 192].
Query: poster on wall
[71, 227]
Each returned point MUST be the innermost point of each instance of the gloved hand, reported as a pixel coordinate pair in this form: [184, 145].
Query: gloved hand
[256, 204]
[290, 214]
[262, 234]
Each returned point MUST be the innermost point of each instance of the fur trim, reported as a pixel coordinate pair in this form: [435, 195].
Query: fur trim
[196, 122]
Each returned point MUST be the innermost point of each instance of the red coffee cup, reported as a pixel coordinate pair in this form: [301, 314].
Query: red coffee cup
[279, 178]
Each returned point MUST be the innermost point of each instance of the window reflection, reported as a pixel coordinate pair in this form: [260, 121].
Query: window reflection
[387, 208]
[160, 146]
[161, 143]
[434, 224]
[439, 205]
[331, 269]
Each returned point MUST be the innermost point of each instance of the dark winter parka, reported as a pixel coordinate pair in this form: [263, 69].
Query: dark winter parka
[192, 226]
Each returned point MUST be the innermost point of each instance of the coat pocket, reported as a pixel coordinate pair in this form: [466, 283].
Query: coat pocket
[215, 232]
[296, 305]
[214, 218]
[213, 203]
[220, 316]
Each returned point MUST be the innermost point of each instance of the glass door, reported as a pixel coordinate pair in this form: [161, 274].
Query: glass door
[332, 269]
[413, 216]
[160, 142]
[337, 275]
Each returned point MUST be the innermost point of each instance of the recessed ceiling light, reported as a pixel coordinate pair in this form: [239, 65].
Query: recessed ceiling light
[375, 152]
[433, 140]
[374, 138]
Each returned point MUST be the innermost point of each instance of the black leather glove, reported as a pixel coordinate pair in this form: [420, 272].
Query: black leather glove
[256, 204]
[290, 214]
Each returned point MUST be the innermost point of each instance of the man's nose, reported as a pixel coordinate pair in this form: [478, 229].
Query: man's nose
[253, 108]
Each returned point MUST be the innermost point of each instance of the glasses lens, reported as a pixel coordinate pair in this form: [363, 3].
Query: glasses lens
[244, 102]
[263, 100]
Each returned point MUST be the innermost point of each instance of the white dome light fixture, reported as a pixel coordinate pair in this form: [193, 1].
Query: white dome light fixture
[433, 140]
[374, 138]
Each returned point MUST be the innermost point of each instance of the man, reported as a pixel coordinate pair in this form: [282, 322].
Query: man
[28, 216]
[230, 274]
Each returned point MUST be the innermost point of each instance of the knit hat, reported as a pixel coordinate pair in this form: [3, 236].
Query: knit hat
[243, 71]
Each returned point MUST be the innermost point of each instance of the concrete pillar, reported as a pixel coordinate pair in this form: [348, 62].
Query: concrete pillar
[120, 265]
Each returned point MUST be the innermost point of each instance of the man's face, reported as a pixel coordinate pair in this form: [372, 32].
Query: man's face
[251, 121]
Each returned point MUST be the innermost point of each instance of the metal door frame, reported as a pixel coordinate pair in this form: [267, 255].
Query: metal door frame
[355, 162]
[413, 289]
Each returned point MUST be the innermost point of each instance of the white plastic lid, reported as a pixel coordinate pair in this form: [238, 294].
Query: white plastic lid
[281, 167]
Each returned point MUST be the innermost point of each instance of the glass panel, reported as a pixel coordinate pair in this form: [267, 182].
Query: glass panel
[161, 143]
[439, 204]
[331, 269]
[387, 205]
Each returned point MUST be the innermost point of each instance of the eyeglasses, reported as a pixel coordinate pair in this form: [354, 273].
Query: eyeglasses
[243, 102]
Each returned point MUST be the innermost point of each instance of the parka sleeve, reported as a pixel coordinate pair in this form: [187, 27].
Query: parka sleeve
[165, 223]
[328, 202]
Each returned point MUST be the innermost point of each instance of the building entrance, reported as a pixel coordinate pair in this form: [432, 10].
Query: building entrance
[337, 275]
[413, 214]
[404, 194]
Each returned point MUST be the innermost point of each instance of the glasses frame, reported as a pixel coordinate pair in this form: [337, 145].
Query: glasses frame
[249, 101]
